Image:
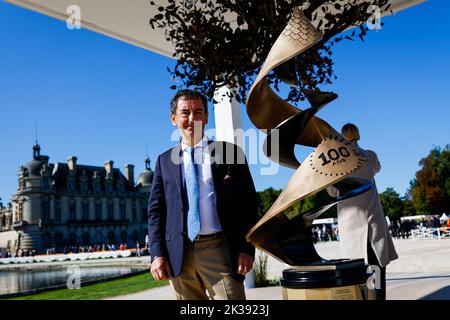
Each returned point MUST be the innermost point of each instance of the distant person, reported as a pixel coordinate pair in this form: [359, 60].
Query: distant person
[325, 232]
[363, 230]
[138, 249]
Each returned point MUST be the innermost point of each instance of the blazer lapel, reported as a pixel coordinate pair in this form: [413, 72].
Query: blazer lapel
[215, 172]
[176, 151]
[214, 164]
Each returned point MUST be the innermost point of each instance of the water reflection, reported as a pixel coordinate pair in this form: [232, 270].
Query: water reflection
[26, 280]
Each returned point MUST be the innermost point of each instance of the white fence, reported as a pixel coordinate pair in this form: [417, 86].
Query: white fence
[430, 233]
[67, 257]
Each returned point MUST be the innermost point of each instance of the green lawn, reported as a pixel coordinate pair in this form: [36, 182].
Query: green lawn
[101, 290]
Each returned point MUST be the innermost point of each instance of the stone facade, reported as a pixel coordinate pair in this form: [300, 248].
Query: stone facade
[67, 204]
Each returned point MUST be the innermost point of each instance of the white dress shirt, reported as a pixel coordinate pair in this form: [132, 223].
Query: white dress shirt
[209, 219]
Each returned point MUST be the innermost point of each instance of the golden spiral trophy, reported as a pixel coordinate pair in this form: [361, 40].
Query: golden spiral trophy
[288, 237]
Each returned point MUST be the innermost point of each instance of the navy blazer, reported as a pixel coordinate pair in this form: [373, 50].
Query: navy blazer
[236, 204]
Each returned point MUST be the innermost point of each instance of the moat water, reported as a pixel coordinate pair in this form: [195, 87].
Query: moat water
[68, 276]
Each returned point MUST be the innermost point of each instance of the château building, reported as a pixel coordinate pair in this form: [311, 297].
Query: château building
[69, 204]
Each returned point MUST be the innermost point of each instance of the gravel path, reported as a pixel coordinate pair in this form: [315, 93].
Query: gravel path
[421, 272]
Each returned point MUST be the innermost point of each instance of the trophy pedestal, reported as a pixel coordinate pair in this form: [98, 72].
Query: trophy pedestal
[326, 280]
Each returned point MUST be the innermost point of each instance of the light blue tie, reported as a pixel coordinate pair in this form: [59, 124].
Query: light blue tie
[193, 218]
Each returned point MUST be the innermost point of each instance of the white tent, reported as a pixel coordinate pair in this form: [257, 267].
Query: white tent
[128, 21]
[326, 221]
[443, 218]
[419, 217]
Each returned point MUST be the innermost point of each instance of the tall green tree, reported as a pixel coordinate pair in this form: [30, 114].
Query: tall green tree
[430, 189]
[268, 196]
[393, 205]
[408, 207]
[265, 199]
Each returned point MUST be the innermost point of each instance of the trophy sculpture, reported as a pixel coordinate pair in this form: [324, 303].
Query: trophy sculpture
[288, 237]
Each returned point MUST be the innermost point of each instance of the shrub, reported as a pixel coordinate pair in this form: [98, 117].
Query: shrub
[260, 271]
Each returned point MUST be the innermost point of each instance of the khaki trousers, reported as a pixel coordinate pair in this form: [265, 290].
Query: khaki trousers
[206, 272]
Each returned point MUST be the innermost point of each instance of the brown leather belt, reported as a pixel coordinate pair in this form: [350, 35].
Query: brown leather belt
[209, 236]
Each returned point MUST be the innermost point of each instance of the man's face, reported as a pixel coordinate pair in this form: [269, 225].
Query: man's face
[191, 119]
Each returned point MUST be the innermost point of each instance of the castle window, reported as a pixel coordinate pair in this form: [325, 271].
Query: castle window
[58, 212]
[111, 237]
[98, 211]
[123, 237]
[46, 210]
[85, 211]
[20, 212]
[72, 239]
[133, 213]
[96, 182]
[58, 239]
[109, 182]
[72, 211]
[121, 186]
[135, 236]
[16, 214]
[123, 212]
[84, 182]
[71, 185]
[110, 212]
[47, 240]
[86, 238]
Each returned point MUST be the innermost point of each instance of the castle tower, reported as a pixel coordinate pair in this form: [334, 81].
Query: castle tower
[34, 178]
[145, 179]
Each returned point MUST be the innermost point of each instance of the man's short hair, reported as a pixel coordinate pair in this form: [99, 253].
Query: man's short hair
[190, 95]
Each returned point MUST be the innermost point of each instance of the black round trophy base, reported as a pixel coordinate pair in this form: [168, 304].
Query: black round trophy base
[330, 280]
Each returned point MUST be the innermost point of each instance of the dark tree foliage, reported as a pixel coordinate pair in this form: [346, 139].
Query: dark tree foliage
[429, 192]
[268, 196]
[265, 199]
[393, 204]
[408, 207]
[430, 189]
[226, 41]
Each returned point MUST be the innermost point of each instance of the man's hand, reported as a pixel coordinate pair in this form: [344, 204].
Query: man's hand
[160, 269]
[245, 263]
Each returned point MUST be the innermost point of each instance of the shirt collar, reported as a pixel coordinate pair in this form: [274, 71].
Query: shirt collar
[201, 144]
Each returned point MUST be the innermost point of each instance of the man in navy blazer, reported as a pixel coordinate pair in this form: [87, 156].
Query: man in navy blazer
[202, 204]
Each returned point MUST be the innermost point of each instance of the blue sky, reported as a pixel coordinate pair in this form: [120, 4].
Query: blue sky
[100, 99]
